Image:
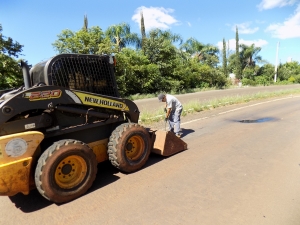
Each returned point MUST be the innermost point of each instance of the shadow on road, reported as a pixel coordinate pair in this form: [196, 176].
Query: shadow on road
[34, 201]
[105, 175]
[30, 203]
[185, 132]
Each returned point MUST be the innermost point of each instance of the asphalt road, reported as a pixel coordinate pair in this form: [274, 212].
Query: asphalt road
[153, 104]
[242, 166]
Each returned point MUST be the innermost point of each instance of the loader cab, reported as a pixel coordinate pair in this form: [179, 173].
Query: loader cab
[90, 73]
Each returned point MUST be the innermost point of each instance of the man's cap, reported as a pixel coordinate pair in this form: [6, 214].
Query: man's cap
[161, 96]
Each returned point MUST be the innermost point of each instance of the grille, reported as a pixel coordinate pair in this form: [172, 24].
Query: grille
[85, 73]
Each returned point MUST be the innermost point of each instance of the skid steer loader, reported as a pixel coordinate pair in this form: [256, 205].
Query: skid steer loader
[67, 118]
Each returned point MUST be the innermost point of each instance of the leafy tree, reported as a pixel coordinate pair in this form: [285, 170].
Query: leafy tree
[160, 50]
[156, 43]
[267, 71]
[250, 72]
[224, 58]
[84, 41]
[120, 35]
[135, 73]
[10, 71]
[286, 70]
[210, 77]
[231, 66]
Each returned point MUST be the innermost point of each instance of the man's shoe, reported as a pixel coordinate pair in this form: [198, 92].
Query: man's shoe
[178, 135]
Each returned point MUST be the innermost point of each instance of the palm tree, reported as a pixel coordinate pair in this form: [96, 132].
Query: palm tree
[205, 53]
[249, 55]
[192, 46]
[120, 35]
[168, 35]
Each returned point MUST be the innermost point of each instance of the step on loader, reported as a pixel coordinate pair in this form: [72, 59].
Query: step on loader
[67, 118]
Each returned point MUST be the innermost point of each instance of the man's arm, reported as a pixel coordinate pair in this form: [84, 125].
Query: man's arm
[168, 112]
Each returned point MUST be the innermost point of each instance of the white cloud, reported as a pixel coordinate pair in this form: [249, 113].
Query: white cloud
[189, 24]
[290, 28]
[257, 43]
[269, 4]
[244, 28]
[155, 17]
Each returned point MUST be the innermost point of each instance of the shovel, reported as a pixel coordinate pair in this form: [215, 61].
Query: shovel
[165, 110]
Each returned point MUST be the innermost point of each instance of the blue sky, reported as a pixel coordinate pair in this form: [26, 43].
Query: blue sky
[36, 23]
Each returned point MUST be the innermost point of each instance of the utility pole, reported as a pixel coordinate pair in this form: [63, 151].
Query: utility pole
[275, 76]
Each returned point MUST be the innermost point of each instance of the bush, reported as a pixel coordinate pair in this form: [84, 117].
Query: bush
[297, 78]
[261, 80]
[249, 82]
[292, 79]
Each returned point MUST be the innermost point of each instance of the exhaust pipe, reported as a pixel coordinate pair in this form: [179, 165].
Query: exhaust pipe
[26, 77]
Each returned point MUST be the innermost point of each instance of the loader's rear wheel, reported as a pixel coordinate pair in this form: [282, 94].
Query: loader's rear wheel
[65, 171]
[129, 147]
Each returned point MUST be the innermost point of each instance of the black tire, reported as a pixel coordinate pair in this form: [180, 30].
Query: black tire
[65, 171]
[129, 147]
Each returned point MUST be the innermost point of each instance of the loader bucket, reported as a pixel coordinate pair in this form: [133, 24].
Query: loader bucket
[166, 143]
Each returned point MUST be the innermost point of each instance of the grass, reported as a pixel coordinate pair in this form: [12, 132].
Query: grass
[147, 118]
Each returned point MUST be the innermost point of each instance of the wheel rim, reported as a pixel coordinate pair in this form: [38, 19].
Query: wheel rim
[70, 171]
[134, 147]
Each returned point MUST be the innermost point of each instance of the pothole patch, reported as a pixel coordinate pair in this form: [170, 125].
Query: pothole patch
[262, 120]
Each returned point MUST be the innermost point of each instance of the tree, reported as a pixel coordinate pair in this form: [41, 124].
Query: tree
[289, 69]
[209, 55]
[193, 47]
[120, 35]
[224, 59]
[85, 23]
[267, 72]
[135, 74]
[249, 55]
[10, 71]
[160, 50]
[238, 72]
[84, 41]
[143, 31]
[249, 58]
[155, 43]
[206, 53]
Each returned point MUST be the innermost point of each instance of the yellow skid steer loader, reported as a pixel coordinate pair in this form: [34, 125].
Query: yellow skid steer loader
[67, 118]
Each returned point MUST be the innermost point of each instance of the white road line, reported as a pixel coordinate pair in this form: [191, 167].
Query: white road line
[203, 118]
[248, 106]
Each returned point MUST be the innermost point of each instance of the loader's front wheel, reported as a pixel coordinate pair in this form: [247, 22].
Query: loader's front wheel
[129, 147]
[65, 171]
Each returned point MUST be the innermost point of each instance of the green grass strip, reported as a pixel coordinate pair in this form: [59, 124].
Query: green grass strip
[147, 118]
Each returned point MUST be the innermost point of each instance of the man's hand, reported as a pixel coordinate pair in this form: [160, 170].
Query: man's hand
[165, 109]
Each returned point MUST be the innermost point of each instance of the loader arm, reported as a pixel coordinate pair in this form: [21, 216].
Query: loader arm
[49, 97]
